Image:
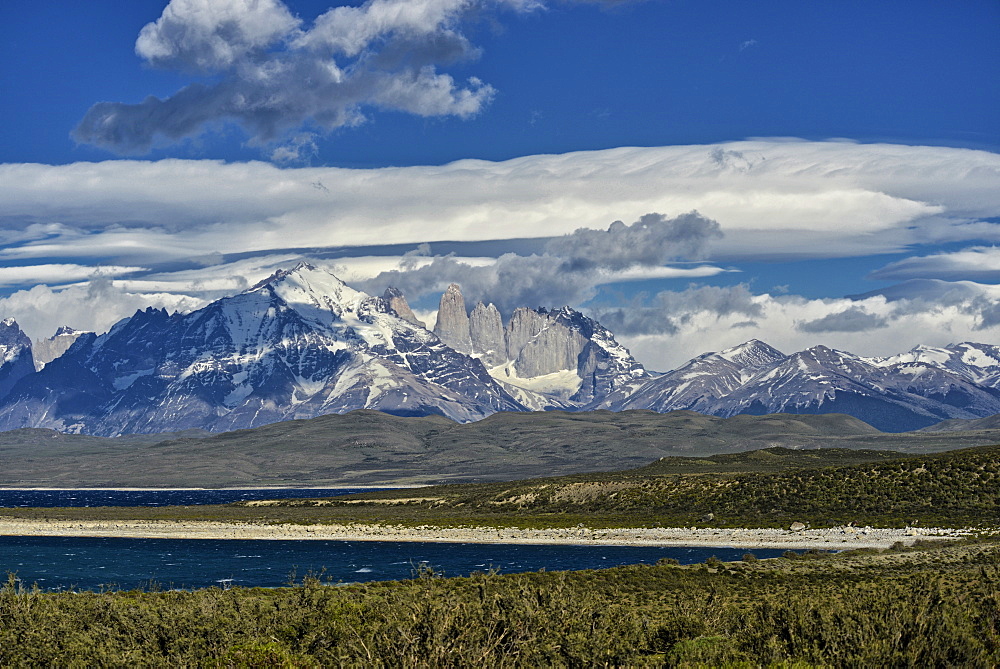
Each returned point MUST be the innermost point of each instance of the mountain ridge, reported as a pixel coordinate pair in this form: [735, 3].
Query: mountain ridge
[895, 394]
[298, 344]
[302, 343]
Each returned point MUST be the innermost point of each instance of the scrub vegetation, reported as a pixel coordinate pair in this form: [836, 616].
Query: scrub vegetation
[773, 487]
[933, 605]
[769, 487]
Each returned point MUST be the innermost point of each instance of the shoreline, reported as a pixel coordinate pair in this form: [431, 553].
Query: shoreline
[839, 538]
[260, 487]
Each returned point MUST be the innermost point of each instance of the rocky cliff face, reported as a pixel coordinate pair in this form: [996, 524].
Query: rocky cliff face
[559, 354]
[47, 350]
[398, 305]
[16, 360]
[487, 335]
[452, 325]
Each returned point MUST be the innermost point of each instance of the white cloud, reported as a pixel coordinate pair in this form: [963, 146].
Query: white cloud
[977, 263]
[95, 306]
[349, 30]
[275, 76]
[646, 273]
[212, 35]
[772, 198]
[569, 270]
[873, 326]
[59, 273]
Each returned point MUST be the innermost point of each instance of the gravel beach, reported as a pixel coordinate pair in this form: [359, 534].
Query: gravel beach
[838, 538]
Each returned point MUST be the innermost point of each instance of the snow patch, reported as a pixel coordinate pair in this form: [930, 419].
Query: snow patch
[563, 383]
[123, 382]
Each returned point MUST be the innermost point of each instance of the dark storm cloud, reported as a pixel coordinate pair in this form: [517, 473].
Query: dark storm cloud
[853, 319]
[652, 240]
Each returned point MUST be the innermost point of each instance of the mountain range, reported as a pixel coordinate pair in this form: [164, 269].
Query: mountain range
[900, 393]
[301, 344]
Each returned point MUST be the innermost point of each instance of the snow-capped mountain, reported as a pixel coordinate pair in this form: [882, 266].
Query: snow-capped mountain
[699, 384]
[978, 363]
[45, 351]
[299, 344]
[894, 394]
[302, 343]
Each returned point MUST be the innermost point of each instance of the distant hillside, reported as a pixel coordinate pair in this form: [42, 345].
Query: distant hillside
[826, 487]
[972, 425]
[370, 447]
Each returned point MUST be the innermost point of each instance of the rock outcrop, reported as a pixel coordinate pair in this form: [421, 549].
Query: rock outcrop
[452, 325]
[16, 360]
[399, 306]
[45, 351]
[487, 334]
[561, 353]
[540, 344]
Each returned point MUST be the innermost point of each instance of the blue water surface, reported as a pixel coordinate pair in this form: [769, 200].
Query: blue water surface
[91, 563]
[88, 563]
[51, 498]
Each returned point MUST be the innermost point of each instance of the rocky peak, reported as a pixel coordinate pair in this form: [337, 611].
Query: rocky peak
[525, 324]
[489, 338]
[398, 305]
[452, 326]
[559, 352]
[15, 355]
[314, 293]
[752, 355]
[538, 344]
[47, 350]
[11, 335]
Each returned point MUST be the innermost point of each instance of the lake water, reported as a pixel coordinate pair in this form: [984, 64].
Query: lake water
[26, 498]
[87, 563]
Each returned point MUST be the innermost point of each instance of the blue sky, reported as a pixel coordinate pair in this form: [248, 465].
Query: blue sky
[351, 135]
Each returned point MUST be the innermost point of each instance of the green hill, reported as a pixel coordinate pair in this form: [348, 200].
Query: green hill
[767, 487]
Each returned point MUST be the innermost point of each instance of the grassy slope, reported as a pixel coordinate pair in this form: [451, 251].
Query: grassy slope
[367, 447]
[936, 606]
[766, 488]
[772, 486]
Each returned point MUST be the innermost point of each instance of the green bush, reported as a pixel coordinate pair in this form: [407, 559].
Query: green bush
[937, 606]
